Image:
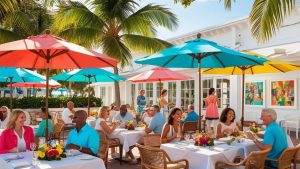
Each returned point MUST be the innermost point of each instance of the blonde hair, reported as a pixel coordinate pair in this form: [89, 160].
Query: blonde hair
[13, 118]
[102, 110]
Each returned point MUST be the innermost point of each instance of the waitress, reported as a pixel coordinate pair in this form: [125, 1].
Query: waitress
[141, 102]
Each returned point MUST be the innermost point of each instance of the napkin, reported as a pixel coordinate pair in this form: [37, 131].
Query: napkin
[19, 164]
[4, 164]
[13, 157]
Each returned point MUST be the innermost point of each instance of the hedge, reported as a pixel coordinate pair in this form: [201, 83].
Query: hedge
[54, 102]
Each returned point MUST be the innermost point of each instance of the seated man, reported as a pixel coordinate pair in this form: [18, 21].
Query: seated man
[191, 116]
[274, 138]
[157, 122]
[68, 113]
[83, 137]
[5, 116]
[123, 117]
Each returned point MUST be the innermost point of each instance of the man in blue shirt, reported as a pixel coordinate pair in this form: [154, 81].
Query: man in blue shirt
[274, 137]
[124, 116]
[191, 116]
[83, 137]
[157, 122]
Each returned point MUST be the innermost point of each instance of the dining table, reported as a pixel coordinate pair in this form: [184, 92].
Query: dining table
[24, 161]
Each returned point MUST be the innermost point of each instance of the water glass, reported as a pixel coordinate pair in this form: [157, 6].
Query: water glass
[187, 136]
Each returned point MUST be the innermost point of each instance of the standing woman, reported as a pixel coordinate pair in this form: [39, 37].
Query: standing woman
[16, 137]
[163, 103]
[211, 103]
[141, 102]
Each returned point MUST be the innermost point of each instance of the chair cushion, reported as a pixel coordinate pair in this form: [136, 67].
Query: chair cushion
[175, 166]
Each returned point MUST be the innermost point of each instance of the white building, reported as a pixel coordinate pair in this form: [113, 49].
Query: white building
[236, 35]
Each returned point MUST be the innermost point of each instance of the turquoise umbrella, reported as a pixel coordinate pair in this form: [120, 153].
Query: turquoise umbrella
[200, 53]
[89, 75]
[12, 74]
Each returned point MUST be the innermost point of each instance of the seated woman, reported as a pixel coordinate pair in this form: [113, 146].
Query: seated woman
[101, 121]
[227, 126]
[146, 117]
[41, 131]
[172, 130]
[17, 137]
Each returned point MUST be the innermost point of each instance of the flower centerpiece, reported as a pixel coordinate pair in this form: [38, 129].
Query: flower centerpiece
[54, 152]
[129, 125]
[203, 139]
[255, 129]
[93, 113]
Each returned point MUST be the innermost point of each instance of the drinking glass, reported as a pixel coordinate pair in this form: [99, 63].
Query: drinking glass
[186, 136]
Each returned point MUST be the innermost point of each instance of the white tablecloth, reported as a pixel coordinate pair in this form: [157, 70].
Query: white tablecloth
[128, 137]
[76, 162]
[201, 157]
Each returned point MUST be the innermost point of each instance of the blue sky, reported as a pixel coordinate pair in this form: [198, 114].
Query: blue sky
[201, 14]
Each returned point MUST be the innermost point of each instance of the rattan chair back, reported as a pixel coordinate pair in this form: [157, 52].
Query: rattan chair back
[152, 140]
[190, 126]
[286, 158]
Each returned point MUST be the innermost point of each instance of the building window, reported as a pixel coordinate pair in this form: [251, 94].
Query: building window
[133, 94]
[222, 90]
[158, 89]
[172, 92]
[149, 94]
[102, 92]
[187, 93]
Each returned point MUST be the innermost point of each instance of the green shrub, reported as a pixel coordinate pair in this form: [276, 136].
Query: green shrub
[54, 102]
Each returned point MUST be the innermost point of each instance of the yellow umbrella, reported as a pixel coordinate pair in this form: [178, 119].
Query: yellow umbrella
[270, 66]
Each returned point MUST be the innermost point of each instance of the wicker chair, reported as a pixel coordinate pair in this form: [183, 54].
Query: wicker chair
[255, 160]
[103, 147]
[57, 129]
[285, 159]
[190, 126]
[155, 158]
[152, 140]
[297, 157]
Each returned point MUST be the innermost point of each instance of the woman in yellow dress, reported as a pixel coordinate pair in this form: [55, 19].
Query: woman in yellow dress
[163, 103]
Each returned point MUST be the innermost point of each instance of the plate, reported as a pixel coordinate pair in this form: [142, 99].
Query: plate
[225, 139]
[86, 157]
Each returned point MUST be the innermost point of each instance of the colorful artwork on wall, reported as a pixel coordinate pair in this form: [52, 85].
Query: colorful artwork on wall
[283, 93]
[255, 93]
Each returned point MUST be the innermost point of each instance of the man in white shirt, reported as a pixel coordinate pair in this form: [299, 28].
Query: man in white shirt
[68, 113]
[5, 116]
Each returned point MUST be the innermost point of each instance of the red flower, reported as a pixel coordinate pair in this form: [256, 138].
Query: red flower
[52, 152]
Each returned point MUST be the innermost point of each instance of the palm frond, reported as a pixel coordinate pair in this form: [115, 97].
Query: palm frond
[227, 4]
[19, 20]
[267, 16]
[185, 3]
[143, 43]
[115, 48]
[75, 14]
[147, 18]
[7, 6]
[85, 36]
[8, 36]
[116, 9]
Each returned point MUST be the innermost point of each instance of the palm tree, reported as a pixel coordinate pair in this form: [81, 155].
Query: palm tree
[266, 16]
[115, 26]
[28, 18]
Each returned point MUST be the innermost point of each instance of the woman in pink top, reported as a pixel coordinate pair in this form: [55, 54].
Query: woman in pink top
[211, 103]
[17, 137]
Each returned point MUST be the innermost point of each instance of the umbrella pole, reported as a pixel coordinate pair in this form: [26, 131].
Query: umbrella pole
[11, 96]
[47, 90]
[160, 86]
[200, 100]
[89, 94]
[243, 97]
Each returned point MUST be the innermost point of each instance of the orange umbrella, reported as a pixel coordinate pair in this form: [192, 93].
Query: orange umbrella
[50, 52]
[36, 84]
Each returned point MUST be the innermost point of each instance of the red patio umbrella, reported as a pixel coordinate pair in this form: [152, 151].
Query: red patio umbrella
[36, 84]
[159, 74]
[50, 52]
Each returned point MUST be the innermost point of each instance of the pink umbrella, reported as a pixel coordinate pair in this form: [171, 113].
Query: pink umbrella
[159, 74]
[49, 52]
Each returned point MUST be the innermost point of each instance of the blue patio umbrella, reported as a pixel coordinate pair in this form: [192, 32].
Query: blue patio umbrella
[200, 53]
[12, 74]
[89, 75]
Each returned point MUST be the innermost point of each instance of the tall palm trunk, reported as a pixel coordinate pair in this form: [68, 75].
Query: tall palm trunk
[117, 90]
